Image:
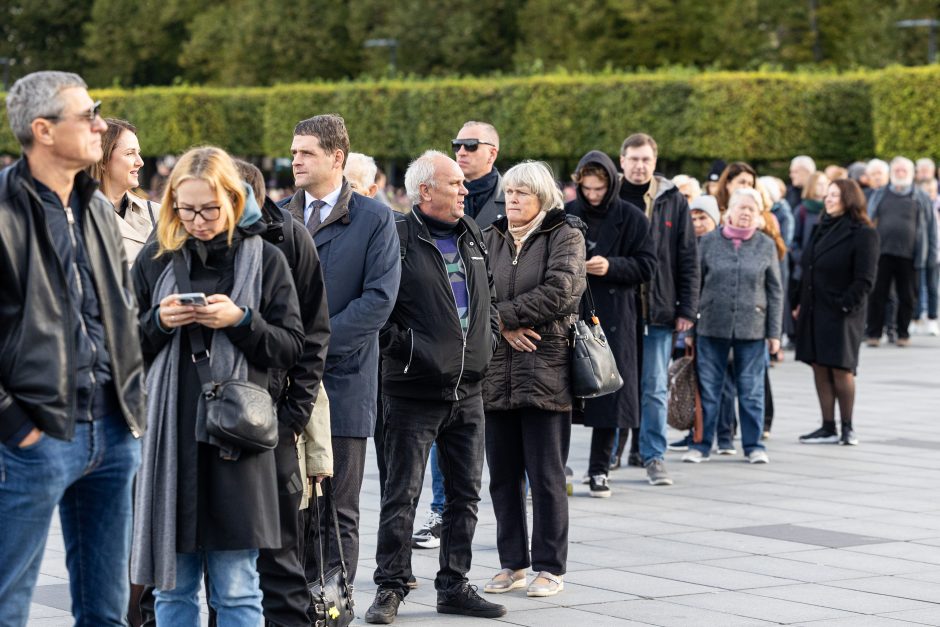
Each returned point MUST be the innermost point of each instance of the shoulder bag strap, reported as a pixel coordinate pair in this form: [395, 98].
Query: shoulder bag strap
[196, 343]
[339, 539]
[153, 222]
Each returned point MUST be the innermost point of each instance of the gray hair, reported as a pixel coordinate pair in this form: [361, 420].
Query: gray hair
[746, 192]
[926, 161]
[906, 182]
[360, 171]
[877, 164]
[421, 172]
[803, 161]
[487, 126]
[684, 179]
[537, 177]
[772, 185]
[37, 95]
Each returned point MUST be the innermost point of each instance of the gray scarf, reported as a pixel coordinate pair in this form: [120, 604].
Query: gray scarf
[153, 558]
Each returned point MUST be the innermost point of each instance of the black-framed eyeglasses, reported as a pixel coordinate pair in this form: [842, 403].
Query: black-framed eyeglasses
[188, 214]
[470, 145]
[89, 116]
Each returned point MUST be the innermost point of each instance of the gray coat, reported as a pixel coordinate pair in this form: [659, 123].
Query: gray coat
[742, 297]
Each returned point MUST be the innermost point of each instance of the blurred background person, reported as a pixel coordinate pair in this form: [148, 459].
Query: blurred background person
[737, 175]
[361, 172]
[801, 167]
[688, 187]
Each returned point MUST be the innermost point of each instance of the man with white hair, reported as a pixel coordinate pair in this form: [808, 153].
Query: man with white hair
[360, 171]
[801, 167]
[926, 170]
[877, 173]
[907, 229]
[434, 355]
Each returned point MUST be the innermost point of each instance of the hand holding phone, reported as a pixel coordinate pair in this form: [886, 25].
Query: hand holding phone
[193, 299]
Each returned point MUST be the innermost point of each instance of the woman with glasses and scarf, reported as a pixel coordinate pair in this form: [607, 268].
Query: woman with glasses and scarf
[200, 503]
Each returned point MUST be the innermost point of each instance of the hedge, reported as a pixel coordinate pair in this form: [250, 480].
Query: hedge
[760, 116]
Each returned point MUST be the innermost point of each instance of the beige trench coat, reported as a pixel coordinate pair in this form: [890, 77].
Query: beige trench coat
[135, 226]
[314, 446]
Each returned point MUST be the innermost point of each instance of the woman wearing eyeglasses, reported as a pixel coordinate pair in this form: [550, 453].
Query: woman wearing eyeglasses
[119, 174]
[198, 504]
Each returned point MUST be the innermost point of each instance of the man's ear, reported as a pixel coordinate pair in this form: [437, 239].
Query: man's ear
[373, 189]
[338, 158]
[43, 131]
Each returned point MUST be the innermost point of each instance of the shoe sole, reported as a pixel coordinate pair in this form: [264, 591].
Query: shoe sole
[758, 461]
[426, 545]
[694, 460]
[830, 440]
[449, 609]
[380, 620]
[519, 583]
[545, 593]
[678, 449]
[660, 481]
[600, 495]
[727, 451]
[849, 443]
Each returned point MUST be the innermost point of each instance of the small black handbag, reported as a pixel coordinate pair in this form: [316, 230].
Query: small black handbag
[241, 414]
[331, 596]
[593, 368]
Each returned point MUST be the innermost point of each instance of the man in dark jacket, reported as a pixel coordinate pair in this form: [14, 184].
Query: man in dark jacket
[475, 149]
[435, 350]
[670, 300]
[71, 371]
[358, 249]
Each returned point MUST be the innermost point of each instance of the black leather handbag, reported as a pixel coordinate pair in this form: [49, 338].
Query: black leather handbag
[331, 596]
[240, 413]
[593, 368]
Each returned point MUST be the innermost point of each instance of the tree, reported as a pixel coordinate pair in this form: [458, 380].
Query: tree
[42, 35]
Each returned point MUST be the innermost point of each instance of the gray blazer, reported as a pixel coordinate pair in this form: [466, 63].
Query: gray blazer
[742, 297]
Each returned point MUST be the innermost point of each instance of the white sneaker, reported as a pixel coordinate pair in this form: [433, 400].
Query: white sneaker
[758, 457]
[932, 328]
[694, 456]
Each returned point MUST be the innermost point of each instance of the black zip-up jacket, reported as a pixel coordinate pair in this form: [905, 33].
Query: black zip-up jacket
[424, 353]
[37, 348]
[674, 290]
[300, 384]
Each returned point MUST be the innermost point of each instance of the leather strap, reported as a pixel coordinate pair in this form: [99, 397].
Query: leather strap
[200, 353]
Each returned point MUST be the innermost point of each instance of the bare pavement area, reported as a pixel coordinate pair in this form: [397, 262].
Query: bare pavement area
[824, 535]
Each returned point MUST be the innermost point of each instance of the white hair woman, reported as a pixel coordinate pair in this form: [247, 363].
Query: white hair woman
[740, 312]
[537, 260]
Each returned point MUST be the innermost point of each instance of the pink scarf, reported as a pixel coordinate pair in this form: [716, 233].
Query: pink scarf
[737, 235]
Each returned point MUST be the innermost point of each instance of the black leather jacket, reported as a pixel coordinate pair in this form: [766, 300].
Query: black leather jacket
[36, 345]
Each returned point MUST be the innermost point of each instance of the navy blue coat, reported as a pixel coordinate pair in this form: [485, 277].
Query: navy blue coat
[359, 255]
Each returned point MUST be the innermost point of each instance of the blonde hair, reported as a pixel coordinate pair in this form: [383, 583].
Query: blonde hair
[215, 167]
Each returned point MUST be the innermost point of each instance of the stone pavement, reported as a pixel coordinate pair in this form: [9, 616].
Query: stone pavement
[823, 535]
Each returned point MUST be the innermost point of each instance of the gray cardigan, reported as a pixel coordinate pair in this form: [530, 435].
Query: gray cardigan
[742, 297]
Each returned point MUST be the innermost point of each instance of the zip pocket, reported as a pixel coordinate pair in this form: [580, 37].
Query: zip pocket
[411, 351]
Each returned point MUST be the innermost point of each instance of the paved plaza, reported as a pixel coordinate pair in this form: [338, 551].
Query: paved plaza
[823, 535]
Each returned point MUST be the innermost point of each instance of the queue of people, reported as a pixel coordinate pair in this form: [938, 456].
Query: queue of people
[194, 373]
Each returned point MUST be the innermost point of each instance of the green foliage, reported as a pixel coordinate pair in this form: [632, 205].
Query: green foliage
[905, 110]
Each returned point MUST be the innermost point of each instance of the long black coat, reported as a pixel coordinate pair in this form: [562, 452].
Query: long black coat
[225, 505]
[624, 239]
[838, 273]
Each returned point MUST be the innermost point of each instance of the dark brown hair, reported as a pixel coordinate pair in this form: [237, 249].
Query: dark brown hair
[638, 140]
[729, 174]
[590, 169]
[253, 176]
[853, 200]
[108, 141]
[329, 129]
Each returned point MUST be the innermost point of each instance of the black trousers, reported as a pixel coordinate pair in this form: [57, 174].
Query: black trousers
[602, 446]
[529, 443]
[411, 425]
[283, 583]
[349, 460]
[901, 272]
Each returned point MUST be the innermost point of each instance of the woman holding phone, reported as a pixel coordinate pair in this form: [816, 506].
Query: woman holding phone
[199, 503]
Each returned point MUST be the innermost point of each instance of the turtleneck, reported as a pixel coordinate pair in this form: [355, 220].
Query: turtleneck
[479, 191]
[438, 228]
[633, 194]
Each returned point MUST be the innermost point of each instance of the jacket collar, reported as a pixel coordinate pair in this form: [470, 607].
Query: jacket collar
[840, 232]
[339, 213]
[84, 184]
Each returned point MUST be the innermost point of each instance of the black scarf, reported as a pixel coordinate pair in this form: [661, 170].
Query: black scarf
[480, 191]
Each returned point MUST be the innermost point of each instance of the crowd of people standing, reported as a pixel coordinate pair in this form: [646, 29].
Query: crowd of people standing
[184, 378]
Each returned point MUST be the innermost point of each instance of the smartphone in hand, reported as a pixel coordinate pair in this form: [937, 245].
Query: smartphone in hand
[195, 299]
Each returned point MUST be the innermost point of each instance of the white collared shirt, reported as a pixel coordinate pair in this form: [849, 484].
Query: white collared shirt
[330, 200]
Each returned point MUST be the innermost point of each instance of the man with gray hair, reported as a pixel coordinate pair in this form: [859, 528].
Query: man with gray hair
[475, 149]
[71, 376]
[360, 171]
[801, 167]
[926, 170]
[876, 171]
[907, 229]
[435, 350]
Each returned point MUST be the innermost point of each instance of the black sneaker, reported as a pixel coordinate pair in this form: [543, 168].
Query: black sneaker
[384, 608]
[634, 459]
[822, 435]
[599, 487]
[467, 602]
[848, 437]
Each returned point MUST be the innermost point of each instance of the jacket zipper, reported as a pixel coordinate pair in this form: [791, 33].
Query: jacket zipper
[81, 320]
[411, 351]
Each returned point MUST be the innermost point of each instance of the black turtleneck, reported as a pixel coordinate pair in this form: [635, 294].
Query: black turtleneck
[438, 228]
[479, 192]
[633, 194]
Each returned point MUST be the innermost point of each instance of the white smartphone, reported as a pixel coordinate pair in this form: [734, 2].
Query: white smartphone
[196, 299]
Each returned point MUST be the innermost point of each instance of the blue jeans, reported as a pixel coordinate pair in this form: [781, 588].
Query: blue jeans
[927, 292]
[234, 589]
[437, 483]
[749, 366]
[89, 479]
[657, 347]
[726, 413]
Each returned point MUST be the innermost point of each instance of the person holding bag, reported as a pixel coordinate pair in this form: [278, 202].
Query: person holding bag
[620, 258]
[203, 498]
[537, 262]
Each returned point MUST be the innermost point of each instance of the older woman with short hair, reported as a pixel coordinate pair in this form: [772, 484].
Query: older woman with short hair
[741, 305]
[537, 259]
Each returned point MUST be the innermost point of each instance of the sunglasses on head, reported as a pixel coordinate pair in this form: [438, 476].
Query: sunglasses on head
[470, 145]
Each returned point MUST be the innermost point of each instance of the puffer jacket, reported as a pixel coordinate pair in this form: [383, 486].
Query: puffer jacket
[539, 287]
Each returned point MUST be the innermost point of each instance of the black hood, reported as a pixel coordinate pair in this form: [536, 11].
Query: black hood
[613, 186]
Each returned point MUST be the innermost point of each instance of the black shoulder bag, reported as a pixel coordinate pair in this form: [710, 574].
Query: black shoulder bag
[331, 596]
[239, 413]
[593, 368]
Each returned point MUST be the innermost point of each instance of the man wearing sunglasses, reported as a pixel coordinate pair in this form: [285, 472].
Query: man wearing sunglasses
[71, 371]
[475, 149]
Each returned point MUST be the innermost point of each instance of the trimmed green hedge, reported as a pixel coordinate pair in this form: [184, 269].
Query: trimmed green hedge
[751, 116]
